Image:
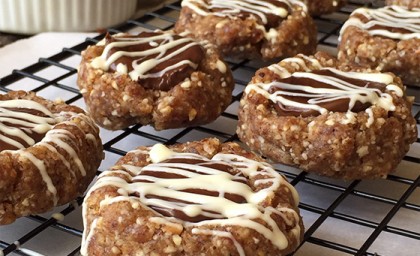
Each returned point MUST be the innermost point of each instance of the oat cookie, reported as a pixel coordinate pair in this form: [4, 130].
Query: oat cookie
[49, 153]
[197, 198]
[314, 114]
[250, 29]
[157, 78]
[385, 39]
[320, 7]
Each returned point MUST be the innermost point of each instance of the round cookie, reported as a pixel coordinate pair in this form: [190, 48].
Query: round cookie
[320, 7]
[157, 78]
[407, 3]
[310, 113]
[49, 153]
[386, 39]
[250, 29]
[197, 198]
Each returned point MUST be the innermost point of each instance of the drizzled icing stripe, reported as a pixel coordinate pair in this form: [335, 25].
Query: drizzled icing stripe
[155, 183]
[58, 136]
[141, 68]
[384, 22]
[19, 119]
[232, 8]
[53, 138]
[87, 236]
[43, 171]
[299, 62]
[270, 13]
[340, 89]
[251, 168]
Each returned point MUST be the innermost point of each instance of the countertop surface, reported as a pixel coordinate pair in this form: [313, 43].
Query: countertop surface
[6, 39]
[28, 50]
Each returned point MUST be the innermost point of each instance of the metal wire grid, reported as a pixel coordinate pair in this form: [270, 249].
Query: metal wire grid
[378, 217]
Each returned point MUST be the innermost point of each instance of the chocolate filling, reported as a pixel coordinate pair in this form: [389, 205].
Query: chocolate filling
[170, 77]
[37, 137]
[389, 28]
[179, 214]
[336, 105]
[272, 19]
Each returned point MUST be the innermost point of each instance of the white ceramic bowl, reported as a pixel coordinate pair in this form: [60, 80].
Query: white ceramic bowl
[34, 16]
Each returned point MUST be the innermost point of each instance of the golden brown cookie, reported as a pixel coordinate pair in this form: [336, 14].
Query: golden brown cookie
[250, 29]
[157, 78]
[49, 153]
[197, 198]
[311, 113]
[385, 39]
[320, 7]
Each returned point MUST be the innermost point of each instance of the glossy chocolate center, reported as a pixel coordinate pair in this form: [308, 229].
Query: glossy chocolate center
[338, 103]
[273, 20]
[19, 128]
[191, 167]
[171, 63]
[385, 26]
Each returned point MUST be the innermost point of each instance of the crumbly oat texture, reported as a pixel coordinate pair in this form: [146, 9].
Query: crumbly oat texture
[49, 153]
[385, 39]
[407, 3]
[197, 198]
[323, 118]
[266, 30]
[320, 7]
[171, 82]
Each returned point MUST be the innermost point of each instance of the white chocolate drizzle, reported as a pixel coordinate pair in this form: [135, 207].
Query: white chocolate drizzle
[21, 116]
[57, 216]
[15, 122]
[173, 175]
[299, 62]
[256, 8]
[160, 153]
[87, 236]
[341, 89]
[40, 165]
[385, 19]
[161, 44]
[231, 8]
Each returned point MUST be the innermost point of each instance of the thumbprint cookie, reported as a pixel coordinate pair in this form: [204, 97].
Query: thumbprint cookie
[320, 7]
[157, 78]
[311, 113]
[197, 198]
[49, 153]
[385, 39]
[250, 29]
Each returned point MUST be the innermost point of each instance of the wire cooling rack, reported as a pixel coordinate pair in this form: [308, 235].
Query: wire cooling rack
[374, 217]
